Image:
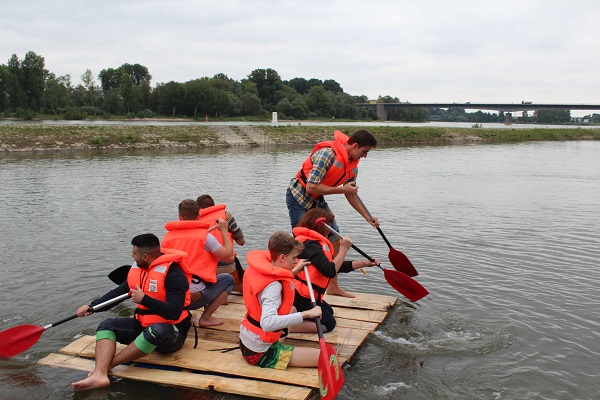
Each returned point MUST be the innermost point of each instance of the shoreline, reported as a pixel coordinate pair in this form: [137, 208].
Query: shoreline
[26, 138]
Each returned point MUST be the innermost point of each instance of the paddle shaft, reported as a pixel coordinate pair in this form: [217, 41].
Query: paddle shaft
[373, 220]
[91, 309]
[314, 302]
[336, 233]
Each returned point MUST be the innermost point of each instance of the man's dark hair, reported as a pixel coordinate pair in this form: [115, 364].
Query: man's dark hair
[147, 241]
[188, 210]
[205, 201]
[363, 138]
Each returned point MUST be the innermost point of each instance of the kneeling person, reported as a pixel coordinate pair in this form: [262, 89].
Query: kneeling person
[269, 297]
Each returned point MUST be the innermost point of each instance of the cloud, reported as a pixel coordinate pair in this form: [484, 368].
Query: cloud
[435, 50]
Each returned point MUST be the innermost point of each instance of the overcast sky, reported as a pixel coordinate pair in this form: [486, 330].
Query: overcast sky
[544, 51]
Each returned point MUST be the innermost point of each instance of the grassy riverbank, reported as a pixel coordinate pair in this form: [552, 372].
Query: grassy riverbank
[35, 138]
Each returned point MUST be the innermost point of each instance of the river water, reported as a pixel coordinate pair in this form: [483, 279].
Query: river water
[505, 237]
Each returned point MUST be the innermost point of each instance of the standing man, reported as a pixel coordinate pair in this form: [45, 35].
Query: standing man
[331, 168]
[159, 285]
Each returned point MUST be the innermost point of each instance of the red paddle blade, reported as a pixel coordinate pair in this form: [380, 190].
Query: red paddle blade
[331, 377]
[401, 262]
[404, 284]
[18, 339]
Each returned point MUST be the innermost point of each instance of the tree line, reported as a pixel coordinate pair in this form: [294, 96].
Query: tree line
[27, 88]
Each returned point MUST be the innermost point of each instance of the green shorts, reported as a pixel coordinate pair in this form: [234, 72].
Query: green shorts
[277, 356]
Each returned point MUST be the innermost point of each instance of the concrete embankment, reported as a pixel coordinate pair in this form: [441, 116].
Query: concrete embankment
[40, 137]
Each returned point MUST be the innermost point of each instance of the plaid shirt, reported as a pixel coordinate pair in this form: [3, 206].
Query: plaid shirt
[322, 160]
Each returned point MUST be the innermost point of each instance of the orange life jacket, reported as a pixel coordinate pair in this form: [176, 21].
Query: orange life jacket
[211, 215]
[317, 279]
[152, 282]
[340, 171]
[259, 274]
[190, 236]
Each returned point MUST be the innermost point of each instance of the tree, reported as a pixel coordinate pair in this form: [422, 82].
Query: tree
[267, 83]
[3, 88]
[90, 85]
[332, 86]
[251, 104]
[198, 94]
[300, 85]
[552, 116]
[110, 78]
[138, 73]
[56, 95]
[126, 90]
[33, 79]
[319, 102]
[170, 97]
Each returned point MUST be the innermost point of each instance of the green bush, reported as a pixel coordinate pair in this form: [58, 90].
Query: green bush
[89, 110]
[146, 114]
[74, 113]
[25, 113]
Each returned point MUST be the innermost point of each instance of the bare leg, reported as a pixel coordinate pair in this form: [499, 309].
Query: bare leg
[106, 360]
[129, 353]
[305, 327]
[206, 319]
[105, 351]
[305, 357]
[334, 288]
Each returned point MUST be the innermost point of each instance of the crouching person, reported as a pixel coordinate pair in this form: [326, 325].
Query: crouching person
[269, 298]
[159, 285]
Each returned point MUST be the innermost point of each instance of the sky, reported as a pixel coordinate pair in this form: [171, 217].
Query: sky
[418, 51]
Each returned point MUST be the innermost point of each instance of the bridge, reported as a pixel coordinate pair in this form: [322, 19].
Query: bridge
[509, 108]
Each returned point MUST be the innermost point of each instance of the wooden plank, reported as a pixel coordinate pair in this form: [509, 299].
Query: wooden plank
[231, 363]
[341, 335]
[210, 366]
[235, 318]
[361, 300]
[238, 310]
[185, 379]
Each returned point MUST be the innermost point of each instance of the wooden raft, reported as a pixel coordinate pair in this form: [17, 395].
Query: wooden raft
[215, 365]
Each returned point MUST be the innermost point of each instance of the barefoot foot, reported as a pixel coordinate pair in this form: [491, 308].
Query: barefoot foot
[339, 292]
[93, 381]
[205, 321]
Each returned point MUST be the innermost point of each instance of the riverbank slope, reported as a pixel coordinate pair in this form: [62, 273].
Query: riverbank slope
[40, 137]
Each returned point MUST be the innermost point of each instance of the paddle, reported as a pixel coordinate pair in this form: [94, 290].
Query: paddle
[403, 283]
[119, 275]
[17, 339]
[397, 258]
[331, 377]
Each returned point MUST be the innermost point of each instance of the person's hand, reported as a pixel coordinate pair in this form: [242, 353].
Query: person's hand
[372, 263]
[312, 313]
[300, 264]
[374, 223]
[222, 225]
[350, 187]
[137, 294]
[83, 311]
[346, 242]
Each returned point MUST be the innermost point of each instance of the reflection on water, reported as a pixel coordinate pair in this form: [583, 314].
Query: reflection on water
[505, 237]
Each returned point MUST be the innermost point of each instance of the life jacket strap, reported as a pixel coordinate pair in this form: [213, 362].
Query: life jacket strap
[284, 331]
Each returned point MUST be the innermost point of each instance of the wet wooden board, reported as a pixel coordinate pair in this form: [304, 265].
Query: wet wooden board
[187, 379]
[215, 363]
